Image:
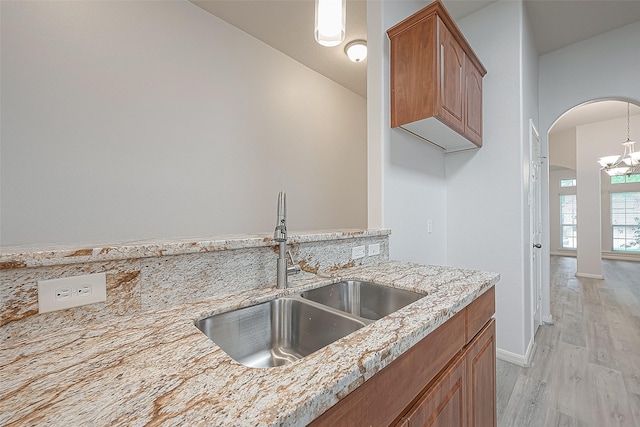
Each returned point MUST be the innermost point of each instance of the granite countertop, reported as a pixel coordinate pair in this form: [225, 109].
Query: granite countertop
[158, 369]
[24, 256]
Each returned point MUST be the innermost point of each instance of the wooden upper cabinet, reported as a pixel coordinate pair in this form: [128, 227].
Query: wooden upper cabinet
[473, 104]
[436, 80]
[413, 72]
[451, 96]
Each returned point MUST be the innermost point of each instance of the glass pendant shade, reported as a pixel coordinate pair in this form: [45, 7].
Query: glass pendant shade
[631, 159]
[330, 22]
[626, 164]
[608, 160]
[356, 50]
[617, 171]
[635, 157]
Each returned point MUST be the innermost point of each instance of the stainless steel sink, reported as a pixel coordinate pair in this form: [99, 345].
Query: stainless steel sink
[364, 299]
[276, 332]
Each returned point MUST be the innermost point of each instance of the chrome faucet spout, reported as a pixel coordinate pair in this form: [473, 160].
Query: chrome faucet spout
[280, 233]
[280, 236]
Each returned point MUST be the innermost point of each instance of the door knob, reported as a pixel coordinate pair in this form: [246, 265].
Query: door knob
[537, 245]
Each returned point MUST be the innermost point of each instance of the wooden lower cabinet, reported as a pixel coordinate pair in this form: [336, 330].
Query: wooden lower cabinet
[480, 358]
[465, 394]
[446, 380]
[443, 404]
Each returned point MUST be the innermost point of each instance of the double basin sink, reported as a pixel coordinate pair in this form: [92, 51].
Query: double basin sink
[289, 328]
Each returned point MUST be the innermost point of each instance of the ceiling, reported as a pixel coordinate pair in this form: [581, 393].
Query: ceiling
[287, 25]
[594, 112]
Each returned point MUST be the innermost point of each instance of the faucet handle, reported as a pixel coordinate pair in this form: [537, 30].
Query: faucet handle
[294, 268]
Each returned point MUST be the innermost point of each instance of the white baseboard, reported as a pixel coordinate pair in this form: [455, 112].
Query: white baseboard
[619, 256]
[590, 276]
[572, 254]
[547, 320]
[518, 359]
[531, 351]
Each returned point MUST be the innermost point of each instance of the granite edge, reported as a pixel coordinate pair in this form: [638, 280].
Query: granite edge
[14, 257]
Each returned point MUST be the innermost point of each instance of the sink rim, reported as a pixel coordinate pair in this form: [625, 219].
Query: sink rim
[353, 303]
[296, 295]
[272, 349]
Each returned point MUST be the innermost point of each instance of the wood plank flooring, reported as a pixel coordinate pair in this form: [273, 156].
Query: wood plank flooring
[586, 370]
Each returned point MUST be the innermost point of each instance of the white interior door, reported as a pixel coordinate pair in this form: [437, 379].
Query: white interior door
[536, 226]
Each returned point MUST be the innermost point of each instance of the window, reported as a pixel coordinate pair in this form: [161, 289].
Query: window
[568, 221]
[623, 179]
[625, 221]
[567, 183]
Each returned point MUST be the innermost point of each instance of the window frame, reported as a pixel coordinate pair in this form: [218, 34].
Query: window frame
[631, 230]
[572, 225]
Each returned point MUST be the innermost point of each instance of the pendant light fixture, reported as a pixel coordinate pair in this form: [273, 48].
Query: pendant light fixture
[330, 22]
[626, 164]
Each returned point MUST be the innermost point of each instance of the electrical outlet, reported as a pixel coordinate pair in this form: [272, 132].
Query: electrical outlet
[358, 252]
[67, 292]
[374, 249]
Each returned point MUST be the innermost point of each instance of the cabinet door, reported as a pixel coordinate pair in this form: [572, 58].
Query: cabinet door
[481, 377]
[450, 79]
[413, 73]
[444, 404]
[473, 103]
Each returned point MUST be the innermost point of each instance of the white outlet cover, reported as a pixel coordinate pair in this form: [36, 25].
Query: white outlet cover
[96, 283]
[374, 249]
[358, 252]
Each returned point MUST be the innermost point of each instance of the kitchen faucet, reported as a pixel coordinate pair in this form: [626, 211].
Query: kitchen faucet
[280, 236]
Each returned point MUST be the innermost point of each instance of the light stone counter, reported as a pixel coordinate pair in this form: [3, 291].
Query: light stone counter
[12, 257]
[156, 368]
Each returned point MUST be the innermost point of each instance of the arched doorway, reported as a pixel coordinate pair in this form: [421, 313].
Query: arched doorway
[579, 194]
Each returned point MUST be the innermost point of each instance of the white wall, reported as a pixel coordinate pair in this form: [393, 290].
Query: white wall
[475, 199]
[377, 111]
[611, 133]
[606, 138]
[602, 67]
[589, 263]
[596, 140]
[554, 207]
[411, 178]
[486, 189]
[131, 120]
[562, 148]
[529, 113]
[562, 160]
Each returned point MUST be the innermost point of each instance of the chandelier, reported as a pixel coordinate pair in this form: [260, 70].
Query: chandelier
[628, 163]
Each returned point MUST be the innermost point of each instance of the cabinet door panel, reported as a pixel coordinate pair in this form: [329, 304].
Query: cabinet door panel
[451, 87]
[413, 77]
[385, 396]
[481, 377]
[473, 105]
[444, 404]
[479, 313]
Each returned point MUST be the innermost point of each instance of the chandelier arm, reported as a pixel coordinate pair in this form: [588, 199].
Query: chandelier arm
[629, 162]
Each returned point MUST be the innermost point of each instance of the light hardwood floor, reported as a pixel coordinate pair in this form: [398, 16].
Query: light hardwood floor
[586, 369]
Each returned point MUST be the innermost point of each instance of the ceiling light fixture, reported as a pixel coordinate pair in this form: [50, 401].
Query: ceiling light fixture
[356, 50]
[626, 164]
[330, 22]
